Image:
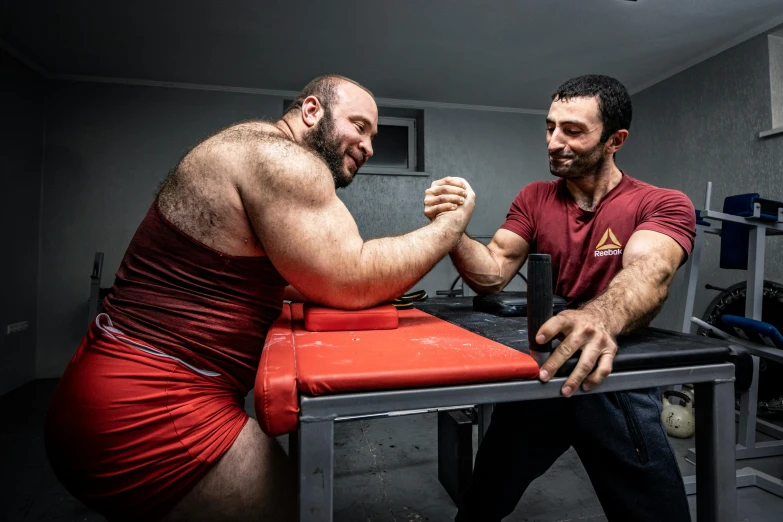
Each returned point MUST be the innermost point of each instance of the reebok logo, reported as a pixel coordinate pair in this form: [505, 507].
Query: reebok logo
[608, 245]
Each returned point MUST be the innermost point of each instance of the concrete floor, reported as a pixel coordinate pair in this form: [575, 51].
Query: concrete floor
[386, 470]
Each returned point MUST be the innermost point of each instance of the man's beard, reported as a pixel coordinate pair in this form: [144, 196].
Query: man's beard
[582, 165]
[323, 140]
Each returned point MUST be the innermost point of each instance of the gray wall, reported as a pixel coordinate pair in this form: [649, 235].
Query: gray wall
[108, 147]
[22, 106]
[702, 125]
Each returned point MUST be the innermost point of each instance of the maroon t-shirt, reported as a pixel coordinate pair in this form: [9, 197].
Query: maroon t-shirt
[587, 247]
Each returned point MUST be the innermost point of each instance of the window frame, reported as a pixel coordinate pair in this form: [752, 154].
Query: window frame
[412, 169]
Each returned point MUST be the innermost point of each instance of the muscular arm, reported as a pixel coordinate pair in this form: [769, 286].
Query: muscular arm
[632, 299]
[488, 269]
[636, 294]
[485, 269]
[313, 241]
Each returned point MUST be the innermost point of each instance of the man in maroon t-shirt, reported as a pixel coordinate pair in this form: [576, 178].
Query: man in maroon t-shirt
[615, 244]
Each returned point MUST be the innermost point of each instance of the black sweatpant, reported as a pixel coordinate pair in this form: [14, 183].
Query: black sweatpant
[618, 436]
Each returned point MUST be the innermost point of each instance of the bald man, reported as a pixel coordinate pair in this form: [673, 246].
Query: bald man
[148, 420]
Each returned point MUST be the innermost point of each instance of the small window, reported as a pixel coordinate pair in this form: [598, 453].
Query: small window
[394, 147]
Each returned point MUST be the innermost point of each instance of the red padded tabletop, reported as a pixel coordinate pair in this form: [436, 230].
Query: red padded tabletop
[423, 351]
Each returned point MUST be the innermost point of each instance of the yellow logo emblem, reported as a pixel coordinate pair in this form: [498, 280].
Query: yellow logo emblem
[608, 241]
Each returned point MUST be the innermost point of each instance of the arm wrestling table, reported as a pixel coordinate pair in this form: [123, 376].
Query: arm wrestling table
[445, 355]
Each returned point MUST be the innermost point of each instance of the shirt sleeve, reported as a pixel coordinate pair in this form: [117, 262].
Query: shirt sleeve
[670, 212]
[520, 219]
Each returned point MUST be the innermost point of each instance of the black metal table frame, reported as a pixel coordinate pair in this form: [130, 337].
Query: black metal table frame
[313, 444]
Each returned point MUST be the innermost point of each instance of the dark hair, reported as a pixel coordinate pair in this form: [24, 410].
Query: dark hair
[614, 102]
[323, 88]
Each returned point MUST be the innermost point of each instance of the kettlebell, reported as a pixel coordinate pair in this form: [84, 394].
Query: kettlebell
[678, 420]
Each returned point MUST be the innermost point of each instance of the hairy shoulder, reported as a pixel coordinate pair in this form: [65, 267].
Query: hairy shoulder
[258, 156]
[238, 141]
[269, 168]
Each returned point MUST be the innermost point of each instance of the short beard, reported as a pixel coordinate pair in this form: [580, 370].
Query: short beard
[323, 140]
[582, 165]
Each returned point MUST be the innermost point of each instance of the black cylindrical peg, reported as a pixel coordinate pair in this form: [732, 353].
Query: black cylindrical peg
[539, 298]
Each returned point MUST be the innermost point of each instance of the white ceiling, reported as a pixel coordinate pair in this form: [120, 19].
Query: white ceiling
[507, 53]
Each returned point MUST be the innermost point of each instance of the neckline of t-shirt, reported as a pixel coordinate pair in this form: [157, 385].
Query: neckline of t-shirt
[607, 197]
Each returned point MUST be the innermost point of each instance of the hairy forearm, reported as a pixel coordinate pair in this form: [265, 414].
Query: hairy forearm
[387, 267]
[478, 266]
[634, 297]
